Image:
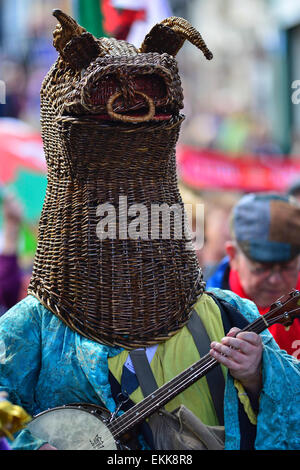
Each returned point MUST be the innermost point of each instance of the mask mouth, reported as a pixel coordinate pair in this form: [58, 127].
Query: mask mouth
[133, 117]
[166, 121]
[143, 115]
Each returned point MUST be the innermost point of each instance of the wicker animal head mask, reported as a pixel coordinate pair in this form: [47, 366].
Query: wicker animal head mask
[110, 119]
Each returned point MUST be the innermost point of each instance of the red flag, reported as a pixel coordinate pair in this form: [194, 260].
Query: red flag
[117, 22]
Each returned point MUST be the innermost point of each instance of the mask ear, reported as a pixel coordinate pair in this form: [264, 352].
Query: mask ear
[169, 36]
[75, 45]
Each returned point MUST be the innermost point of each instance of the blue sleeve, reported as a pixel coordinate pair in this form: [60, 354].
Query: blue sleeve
[217, 278]
[279, 410]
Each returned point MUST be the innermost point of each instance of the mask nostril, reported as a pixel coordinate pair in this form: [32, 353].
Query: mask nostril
[126, 118]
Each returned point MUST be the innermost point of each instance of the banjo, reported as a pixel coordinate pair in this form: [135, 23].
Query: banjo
[90, 427]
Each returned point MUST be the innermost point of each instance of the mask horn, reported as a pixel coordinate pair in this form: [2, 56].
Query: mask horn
[73, 42]
[169, 36]
[66, 30]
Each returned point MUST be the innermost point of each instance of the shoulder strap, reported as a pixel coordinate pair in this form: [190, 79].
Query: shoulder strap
[143, 371]
[214, 377]
[231, 316]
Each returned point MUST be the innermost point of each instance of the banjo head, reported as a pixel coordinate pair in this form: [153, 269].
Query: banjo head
[73, 428]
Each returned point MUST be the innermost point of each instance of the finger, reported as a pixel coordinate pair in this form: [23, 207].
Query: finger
[250, 337]
[223, 359]
[232, 353]
[238, 344]
[233, 331]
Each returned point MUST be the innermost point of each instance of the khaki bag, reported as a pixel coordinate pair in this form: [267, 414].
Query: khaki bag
[182, 430]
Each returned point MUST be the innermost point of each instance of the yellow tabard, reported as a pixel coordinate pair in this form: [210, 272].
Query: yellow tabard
[177, 354]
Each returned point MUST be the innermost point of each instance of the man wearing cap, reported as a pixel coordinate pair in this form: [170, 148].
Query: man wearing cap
[263, 257]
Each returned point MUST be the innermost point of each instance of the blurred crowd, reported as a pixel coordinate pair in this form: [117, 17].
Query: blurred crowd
[22, 81]
[236, 133]
[23, 70]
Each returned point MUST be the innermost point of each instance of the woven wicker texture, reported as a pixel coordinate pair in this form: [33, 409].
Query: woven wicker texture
[110, 122]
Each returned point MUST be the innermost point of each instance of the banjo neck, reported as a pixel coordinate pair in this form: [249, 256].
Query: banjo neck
[161, 396]
[281, 313]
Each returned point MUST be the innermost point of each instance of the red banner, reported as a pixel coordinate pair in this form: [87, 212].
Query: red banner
[118, 21]
[211, 170]
[20, 147]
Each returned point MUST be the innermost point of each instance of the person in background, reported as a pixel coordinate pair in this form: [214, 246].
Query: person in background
[192, 200]
[262, 262]
[216, 230]
[212, 221]
[294, 190]
[10, 271]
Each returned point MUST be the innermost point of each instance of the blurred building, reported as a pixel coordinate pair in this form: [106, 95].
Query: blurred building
[23, 20]
[26, 53]
[256, 59]
[287, 15]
